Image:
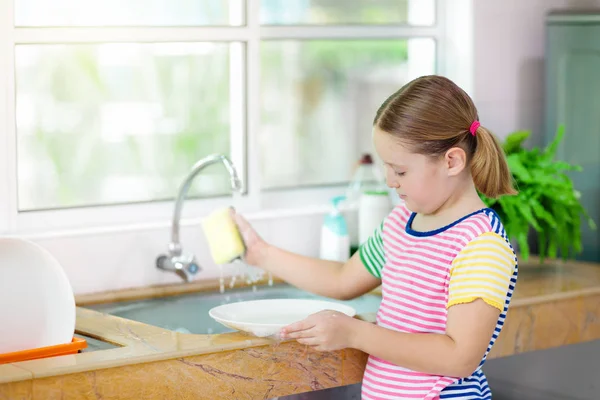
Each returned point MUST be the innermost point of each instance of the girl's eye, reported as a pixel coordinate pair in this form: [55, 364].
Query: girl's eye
[400, 173]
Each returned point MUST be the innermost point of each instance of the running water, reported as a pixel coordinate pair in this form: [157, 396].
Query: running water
[235, 274]
[221, 280]
[242, 272]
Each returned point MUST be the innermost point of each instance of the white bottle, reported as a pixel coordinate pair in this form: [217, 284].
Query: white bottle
[335, 241]
[365, 177]
[372, 199]
[373, 207]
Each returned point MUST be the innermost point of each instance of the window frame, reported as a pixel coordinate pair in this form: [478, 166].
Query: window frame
[244, 147]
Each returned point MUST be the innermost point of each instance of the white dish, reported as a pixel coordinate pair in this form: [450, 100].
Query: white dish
[37, 306]
[266, 317]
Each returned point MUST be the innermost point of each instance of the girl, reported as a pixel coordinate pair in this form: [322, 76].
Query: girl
[446, 267]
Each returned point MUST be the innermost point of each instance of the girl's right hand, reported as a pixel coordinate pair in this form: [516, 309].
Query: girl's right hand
[256, 247]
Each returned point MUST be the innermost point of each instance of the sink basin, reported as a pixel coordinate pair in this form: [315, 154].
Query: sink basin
[189, 313]
[95, 344]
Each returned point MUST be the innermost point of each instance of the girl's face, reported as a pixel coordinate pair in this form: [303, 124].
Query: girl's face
[425, 183]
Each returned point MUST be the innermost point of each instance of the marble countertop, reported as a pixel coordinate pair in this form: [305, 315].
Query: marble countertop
[140, 343]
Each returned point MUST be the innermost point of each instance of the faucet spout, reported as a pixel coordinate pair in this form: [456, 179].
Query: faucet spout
[236, 185]
[176, 261]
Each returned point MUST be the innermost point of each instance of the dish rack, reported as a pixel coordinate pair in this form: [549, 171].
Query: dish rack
[73, 347]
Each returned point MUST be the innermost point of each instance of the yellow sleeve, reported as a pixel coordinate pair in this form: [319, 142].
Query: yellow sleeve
[482, 269]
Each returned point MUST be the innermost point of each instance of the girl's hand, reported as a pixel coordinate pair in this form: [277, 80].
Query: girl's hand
[256, 247]
[324, 331]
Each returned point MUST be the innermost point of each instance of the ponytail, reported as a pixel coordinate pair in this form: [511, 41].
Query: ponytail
[489, 168]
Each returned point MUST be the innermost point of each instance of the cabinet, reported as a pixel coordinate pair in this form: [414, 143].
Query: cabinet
[573, 99]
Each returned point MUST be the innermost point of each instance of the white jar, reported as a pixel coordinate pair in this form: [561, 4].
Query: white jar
[373, 207]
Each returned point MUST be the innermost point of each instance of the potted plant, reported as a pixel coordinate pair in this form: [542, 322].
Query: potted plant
[547, 201]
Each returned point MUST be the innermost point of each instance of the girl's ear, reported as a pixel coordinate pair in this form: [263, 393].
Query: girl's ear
[455, 161]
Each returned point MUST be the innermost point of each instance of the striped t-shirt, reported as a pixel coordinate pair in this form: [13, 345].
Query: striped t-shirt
[425, 273]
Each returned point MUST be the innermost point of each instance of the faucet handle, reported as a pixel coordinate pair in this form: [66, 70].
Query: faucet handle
[184, 265]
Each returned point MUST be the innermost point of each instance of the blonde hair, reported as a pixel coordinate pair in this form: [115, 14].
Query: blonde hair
[431, 114]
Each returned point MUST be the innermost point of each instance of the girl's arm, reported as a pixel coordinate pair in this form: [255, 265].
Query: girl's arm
[326, 278]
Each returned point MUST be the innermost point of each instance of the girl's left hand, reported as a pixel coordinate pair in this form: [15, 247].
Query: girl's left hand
[324, 331]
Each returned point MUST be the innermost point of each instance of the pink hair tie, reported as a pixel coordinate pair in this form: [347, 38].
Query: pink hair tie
[474, 126]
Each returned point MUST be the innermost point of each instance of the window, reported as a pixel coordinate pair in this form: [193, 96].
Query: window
[338, 12]
[85, 13]
[319, 98]
[108, 106]
[120, 122]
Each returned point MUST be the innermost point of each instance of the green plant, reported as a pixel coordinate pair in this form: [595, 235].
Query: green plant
[546, 202]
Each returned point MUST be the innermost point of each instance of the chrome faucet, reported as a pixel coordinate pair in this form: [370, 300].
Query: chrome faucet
[185, 265]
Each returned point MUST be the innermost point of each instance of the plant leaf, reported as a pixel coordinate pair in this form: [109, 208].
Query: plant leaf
[514, 141]
[550, 151]
[526, 212]
[517, 168]
[542, 215]
[523, 245]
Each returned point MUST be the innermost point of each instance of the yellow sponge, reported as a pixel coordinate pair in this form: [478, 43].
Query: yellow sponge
[224, 238]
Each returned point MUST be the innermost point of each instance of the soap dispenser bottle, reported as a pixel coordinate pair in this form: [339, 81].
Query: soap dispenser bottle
[335, 241]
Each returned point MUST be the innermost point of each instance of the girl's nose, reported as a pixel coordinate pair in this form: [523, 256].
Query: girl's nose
[391, 179]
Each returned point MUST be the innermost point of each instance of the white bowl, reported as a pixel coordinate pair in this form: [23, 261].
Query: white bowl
[266, 317]
[37, 306]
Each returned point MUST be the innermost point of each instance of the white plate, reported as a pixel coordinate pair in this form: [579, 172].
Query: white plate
[37, 306]
[266, 317]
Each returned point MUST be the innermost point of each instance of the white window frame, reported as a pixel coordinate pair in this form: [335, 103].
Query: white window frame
[244, 148]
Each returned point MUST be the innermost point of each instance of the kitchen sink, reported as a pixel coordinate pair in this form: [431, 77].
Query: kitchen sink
[189, 313]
